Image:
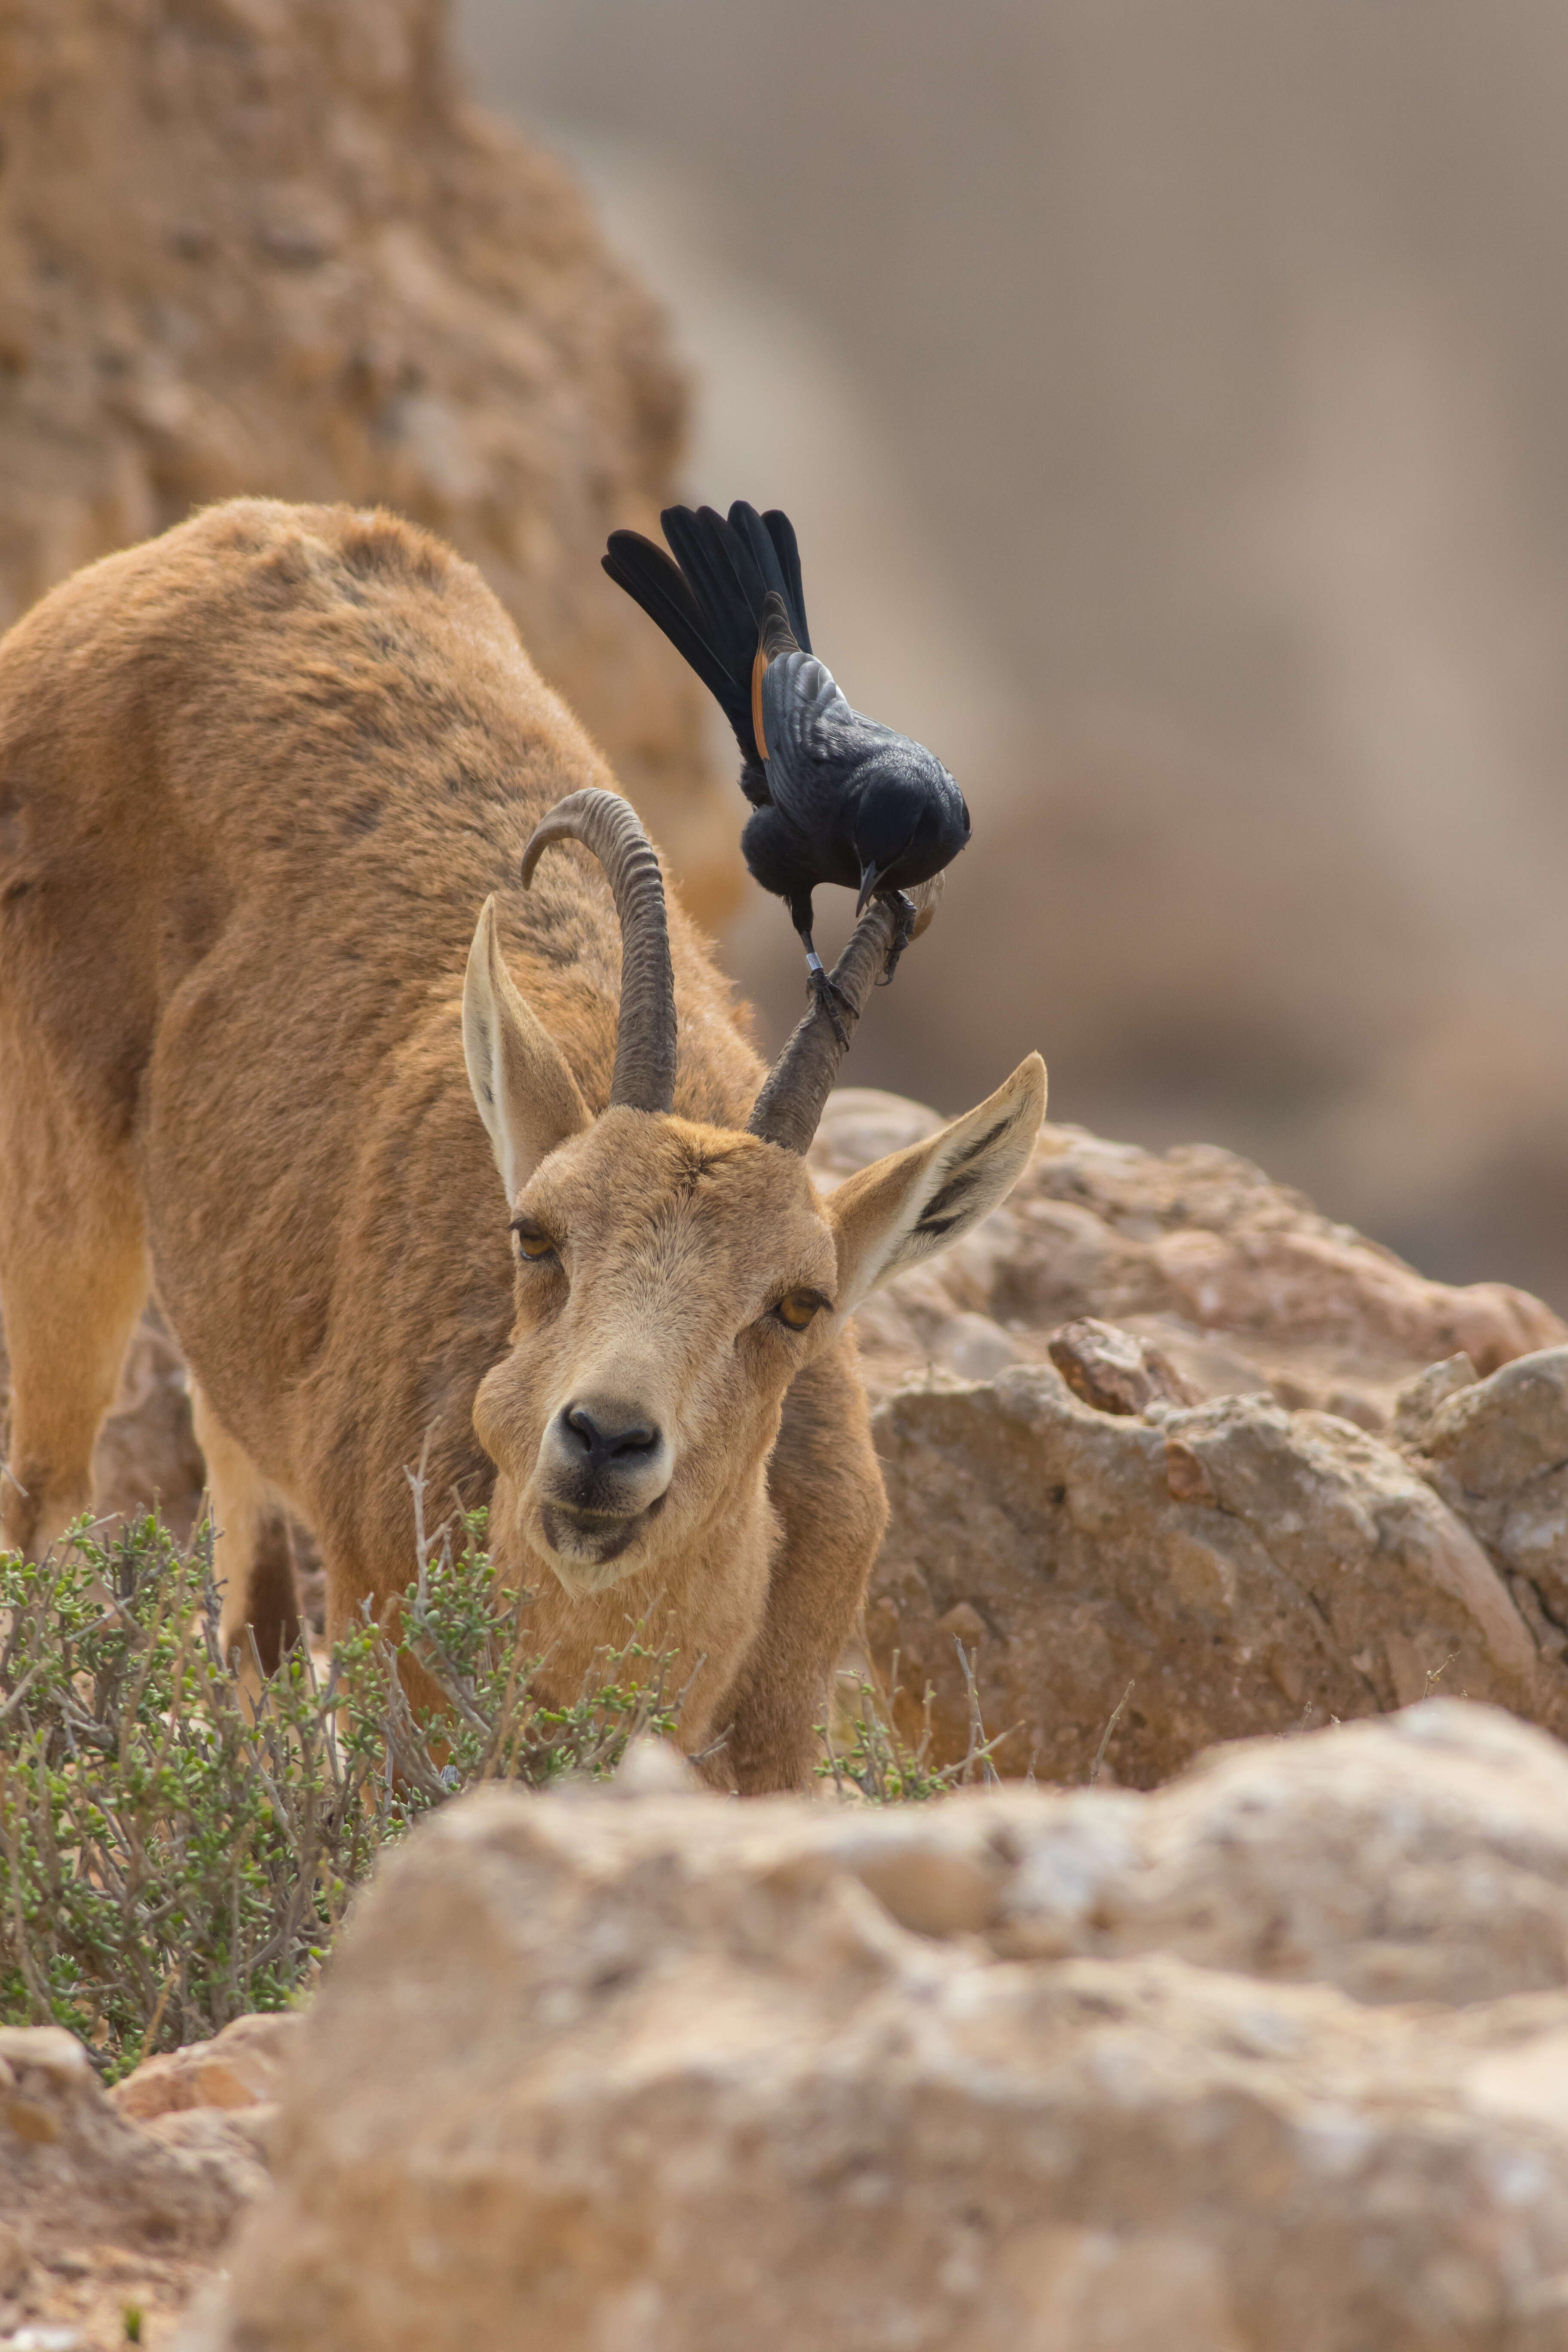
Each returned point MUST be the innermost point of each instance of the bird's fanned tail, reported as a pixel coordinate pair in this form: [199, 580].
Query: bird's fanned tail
[733, 592]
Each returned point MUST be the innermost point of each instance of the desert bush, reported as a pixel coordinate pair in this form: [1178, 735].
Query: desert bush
[866, 1755]
[173, 1853]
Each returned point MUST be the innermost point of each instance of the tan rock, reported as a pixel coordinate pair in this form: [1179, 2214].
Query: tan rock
[277, 251]
[1497, 1452]
[1115, 1370]
[677, 2075]
[1238, 1281]
[1419, 1398]
[1261, 1567]
[73, 2168]
[1226, 1569]
[240, 2067]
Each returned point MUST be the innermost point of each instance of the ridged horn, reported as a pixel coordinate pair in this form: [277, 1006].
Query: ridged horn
[790, 1104]
[645, 1038]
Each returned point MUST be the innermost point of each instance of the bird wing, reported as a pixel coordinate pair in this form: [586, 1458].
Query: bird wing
[812, 741]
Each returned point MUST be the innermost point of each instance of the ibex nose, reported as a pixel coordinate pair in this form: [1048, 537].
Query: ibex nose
[609, 1432]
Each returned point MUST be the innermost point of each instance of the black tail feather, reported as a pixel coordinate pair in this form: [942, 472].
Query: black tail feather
[703, 547]
[781, 531]
[711, 601]
[752, 552]
[652, 581]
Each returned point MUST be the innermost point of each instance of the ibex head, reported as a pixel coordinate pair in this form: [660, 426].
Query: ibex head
[672, 1278]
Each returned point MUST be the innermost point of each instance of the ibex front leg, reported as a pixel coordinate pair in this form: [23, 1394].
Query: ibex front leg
[73, 1279]
[824, 1483]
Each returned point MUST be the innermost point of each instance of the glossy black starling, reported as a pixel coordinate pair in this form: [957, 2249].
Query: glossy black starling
[837, 797]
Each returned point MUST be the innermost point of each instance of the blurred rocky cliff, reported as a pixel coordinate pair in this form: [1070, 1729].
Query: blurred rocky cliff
[264, 246]
[1170, 397]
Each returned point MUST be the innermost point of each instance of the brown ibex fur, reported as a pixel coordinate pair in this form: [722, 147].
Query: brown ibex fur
[257, 778]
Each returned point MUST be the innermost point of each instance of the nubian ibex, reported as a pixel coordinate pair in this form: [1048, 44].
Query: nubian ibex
[258, 778]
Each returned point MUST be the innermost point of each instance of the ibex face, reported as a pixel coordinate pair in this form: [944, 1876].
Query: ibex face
[671, 1281]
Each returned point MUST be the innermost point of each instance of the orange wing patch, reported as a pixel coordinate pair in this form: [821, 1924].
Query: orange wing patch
[758, 666]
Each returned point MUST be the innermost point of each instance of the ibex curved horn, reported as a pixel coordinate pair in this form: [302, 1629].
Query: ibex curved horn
[790, 1104]
[644, 1076]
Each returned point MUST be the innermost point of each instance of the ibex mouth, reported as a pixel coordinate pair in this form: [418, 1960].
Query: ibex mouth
[584, 1543]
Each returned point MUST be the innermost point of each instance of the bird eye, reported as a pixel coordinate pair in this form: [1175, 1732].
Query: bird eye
[798, 1309]
[532, 1240]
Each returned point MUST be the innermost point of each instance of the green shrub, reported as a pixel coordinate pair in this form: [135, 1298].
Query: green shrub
[173, 1856]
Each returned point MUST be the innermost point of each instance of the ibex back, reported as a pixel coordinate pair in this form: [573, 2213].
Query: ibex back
[258, 780]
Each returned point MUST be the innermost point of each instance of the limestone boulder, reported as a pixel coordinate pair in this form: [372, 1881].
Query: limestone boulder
[97, 2215]
[240, 2067]
[1275, 2060]
[1238, 1281]
[1131, 1587]
[1132, 1430]
[1497, 1452]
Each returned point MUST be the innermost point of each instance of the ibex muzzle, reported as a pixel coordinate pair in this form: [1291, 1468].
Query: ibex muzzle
[263, 771]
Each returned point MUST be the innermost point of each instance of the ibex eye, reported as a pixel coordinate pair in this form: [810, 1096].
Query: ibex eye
[533, 1240]
[798, 1307]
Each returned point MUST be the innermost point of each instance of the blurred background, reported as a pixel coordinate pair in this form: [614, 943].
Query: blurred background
[1170, 395]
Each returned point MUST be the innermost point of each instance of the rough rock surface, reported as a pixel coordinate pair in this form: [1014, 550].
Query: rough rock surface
[1225, 1569]
[97, 2216]
[1497, 1452]
[263, 246]
[1277, 2057]
[240, 2067]
[1254, 1561]
[1237, 1280]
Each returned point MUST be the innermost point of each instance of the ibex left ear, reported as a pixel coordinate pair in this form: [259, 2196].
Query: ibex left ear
[903, 1208]
[526, 1095]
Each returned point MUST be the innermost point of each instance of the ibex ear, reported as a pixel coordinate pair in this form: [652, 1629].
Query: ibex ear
[526, 1095]
[903, 1208]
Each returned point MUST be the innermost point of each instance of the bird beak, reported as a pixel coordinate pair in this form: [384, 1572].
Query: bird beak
[869, 876]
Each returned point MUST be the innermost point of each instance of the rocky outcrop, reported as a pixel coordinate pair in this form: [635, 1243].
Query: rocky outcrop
[1239, 1281]
[264, 247]
[1275, 2057]
[1497, 1452]
[1132, 1432]
[99, 2218]
[1196, 1573]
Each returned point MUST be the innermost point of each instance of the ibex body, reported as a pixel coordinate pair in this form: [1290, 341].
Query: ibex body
[258, 778]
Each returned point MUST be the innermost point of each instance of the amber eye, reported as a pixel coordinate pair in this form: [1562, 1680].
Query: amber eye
[799, 1307]
[533, 1240]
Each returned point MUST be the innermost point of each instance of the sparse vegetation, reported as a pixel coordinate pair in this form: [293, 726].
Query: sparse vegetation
[866, 1755]
[173, 1856]
[175, 1853]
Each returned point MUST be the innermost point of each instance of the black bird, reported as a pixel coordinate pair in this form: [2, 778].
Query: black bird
[838, 797]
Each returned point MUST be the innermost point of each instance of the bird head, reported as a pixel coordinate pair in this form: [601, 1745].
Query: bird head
[911, 820]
